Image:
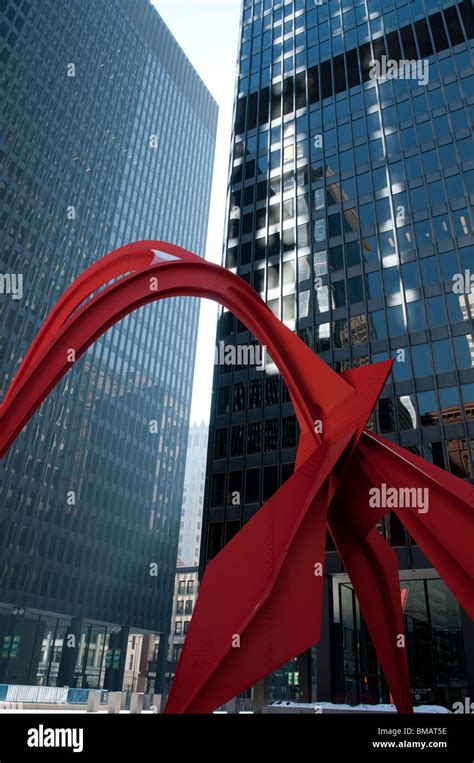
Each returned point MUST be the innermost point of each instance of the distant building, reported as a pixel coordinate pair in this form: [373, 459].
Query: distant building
[193, 495]
[140, 663]
[185, 595]
[186, 580]
[131, 678]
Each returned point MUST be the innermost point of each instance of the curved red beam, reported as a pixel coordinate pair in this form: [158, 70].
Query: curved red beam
[77, 327]
[264, 581]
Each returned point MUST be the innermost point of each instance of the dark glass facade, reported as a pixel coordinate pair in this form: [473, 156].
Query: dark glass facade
[437, 637]
[108, 137]
[350, 212]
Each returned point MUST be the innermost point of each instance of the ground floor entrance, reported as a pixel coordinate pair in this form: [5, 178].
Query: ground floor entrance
[40, 649]
[435, 640]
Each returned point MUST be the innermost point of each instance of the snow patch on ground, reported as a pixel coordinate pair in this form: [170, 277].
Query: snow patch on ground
[330, 706]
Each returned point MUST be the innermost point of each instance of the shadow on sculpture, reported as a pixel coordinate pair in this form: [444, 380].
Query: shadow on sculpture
[261, 596]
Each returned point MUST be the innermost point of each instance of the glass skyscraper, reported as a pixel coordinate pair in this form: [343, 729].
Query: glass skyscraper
[108, 137]
[350, 213]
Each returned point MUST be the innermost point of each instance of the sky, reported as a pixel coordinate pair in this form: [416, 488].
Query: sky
[207, 31]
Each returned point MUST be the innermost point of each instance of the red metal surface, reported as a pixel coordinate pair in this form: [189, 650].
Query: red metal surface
[260, 599]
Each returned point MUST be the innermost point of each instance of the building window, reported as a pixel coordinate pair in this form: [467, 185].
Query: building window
[190, 587]
[239, 397]
[270, 481]
[179, 606]
[254, 438]
[223, 404]
[252, 486]
[320, 230]
[181, 586]
[217, 490]
[289, 432]
[237, 441]
[234, 489]
[255, 394]
[178, 628]
[272, 390]
[214, 539]
[220, 444]
[271, 435]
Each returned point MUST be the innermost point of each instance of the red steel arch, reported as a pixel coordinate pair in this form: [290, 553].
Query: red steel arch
[260, 599]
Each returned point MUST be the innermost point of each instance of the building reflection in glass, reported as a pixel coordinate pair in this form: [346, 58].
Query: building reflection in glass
[435, 648]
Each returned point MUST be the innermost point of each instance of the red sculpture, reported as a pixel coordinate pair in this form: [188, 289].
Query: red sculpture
[260, 599]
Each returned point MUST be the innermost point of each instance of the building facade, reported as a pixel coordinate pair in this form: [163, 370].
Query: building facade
[193, 495]
[108, 137]
[350, 212]
[186, 589]
[186, 585]
[141, 663]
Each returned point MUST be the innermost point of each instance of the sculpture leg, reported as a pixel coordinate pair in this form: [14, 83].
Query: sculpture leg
[260, 599]
[372, 567]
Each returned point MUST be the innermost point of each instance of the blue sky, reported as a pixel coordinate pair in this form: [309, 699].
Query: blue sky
[207, 31]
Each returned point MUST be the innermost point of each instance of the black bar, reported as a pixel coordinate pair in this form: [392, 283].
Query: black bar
[288, 105]
[240, 115]
[365, 59]
[276, 100]
[393, 46]
[352, 68]
[339, 74]
[453, 25]
[408, 40]
[313, 85]
[300, 90]
[438, 32]
[423, 38]
[377, 736]
[252, 111]
[264, 106]
[326, 79]
[467, 13]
